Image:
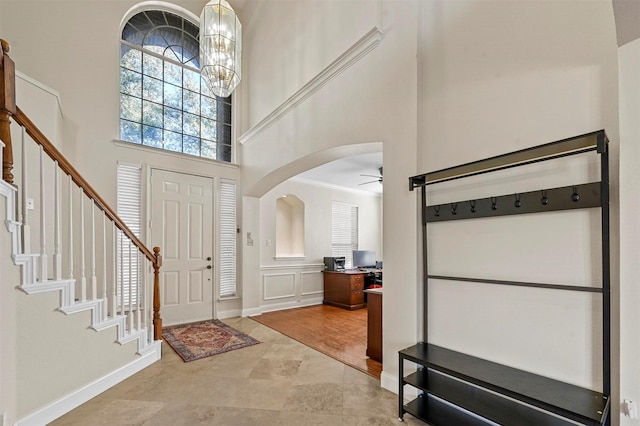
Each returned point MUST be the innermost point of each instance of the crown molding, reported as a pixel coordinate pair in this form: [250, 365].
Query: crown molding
[353, 54]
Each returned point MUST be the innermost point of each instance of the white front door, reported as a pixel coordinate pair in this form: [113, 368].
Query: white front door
[181, 225]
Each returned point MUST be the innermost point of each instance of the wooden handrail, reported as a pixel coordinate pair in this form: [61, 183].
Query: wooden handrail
[156, 259]
[48, 147]
[8, 110]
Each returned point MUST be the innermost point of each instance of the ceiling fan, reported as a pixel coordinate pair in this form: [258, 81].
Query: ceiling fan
[378, 178]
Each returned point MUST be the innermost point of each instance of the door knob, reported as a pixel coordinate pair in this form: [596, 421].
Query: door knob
[209, 258]
[209, 266]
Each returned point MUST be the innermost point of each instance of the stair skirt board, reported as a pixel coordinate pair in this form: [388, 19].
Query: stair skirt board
[73, 400]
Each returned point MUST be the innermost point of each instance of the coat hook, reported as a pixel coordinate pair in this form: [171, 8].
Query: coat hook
[518, 203]
[454, 207]
[544, 200]
[437, 210]
[472, 203]
[575, 196]
[494, 203]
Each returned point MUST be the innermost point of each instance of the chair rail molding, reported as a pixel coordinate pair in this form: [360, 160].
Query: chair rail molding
[353, 54]
[296, 266]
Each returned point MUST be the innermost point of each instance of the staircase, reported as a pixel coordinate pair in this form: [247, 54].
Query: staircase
[66, 239]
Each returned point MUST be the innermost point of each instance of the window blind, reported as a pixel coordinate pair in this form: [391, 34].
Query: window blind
[344, 231]
[129, 198]
[228, 237]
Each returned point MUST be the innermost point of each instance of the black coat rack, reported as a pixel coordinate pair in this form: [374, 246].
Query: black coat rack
[436, 364]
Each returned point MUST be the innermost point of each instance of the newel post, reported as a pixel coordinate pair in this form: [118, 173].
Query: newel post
[157, 320]
[7, 108]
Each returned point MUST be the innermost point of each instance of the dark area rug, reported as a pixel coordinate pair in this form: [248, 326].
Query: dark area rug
[205, 338]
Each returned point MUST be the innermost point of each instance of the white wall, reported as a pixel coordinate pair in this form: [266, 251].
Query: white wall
[83, 70]
[250, 240]
[489, 77]
[370, 102]
[629, 92]
[8, 321]
[317, 201]
[80, 60]
[58, 354]
[42, 105]
[286, 24]
[495, 77]
[286, 283]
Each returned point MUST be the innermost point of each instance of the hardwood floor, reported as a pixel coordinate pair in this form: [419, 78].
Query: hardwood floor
[336, 332]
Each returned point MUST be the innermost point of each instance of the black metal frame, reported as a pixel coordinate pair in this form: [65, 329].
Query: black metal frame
[590, 195]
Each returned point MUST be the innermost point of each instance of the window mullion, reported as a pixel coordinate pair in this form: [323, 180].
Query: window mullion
[162, 97]
[157, 55]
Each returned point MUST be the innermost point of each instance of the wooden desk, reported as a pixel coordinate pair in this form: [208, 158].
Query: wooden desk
[344, 289]
[374, 324]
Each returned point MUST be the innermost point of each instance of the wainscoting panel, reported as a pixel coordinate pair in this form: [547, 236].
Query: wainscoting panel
[311, 283]
[279, 286]
[290, 286]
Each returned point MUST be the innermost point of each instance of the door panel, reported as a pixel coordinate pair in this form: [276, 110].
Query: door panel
[182, 222]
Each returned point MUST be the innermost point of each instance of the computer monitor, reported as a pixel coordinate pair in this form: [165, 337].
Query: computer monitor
[364, 259]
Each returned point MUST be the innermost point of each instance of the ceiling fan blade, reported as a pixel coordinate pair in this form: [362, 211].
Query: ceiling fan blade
[365, 183]
[373, 176]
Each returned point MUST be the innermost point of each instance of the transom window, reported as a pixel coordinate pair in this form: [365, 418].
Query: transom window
[164, 102]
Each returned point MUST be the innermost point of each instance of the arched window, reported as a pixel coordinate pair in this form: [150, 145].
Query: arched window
[164, 103]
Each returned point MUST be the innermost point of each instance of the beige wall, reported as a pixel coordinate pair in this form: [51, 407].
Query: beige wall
[372, 102]
[489, 77]
[286, 283]
[58, 354]
[79, 53]
[495, 77]
[286, 24]
[8, 321]
[317, 201]
[87, 56]
[629, 90]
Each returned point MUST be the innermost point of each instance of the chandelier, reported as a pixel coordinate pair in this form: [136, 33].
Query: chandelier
[220, 47]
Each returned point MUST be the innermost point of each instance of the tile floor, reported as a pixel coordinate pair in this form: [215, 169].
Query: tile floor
[277, 382]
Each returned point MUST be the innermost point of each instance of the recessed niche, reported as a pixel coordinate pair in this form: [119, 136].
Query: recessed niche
[289, 226]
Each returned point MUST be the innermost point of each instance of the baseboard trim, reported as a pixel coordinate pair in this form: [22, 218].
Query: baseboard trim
[76, 398]
[251, 312]
[291, 305]
[282, 306]
[389, 382]
[229, 314]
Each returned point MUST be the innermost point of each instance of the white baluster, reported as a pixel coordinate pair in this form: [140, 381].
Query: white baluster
[83, 277]
[130, 289]
[70, 228]
[121, 236]
[104, 266]
[94, 280]
[26, 228]
[57, 241]
[139, 292]
[43, 232]
[114, 291]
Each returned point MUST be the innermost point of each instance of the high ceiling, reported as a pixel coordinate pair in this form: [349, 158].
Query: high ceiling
[346, 173]
[627, 15]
